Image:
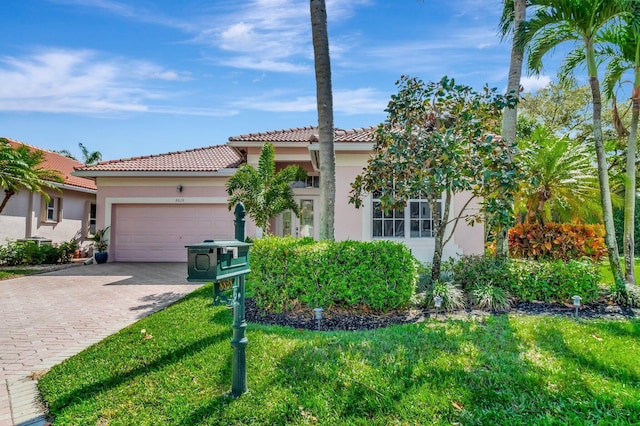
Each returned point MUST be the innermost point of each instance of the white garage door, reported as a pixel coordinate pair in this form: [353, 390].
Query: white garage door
[159, 233]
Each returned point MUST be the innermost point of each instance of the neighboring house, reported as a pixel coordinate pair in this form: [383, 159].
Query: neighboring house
[69, 213]
[156, 205]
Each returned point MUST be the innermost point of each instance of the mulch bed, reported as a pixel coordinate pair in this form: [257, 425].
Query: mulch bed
[334, 319]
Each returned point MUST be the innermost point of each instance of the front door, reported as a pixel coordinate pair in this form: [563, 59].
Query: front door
[306, 225]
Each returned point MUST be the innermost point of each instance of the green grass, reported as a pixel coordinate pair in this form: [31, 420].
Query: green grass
[607, 276]
[6, 274]
[501, 370]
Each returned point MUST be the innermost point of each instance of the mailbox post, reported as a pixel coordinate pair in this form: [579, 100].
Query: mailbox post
[223, 260]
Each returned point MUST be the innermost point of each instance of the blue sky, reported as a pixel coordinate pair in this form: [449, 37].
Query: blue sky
[130, 78]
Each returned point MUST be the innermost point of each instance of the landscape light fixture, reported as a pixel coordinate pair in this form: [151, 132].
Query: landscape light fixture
[318, 315]
[437, 301]
[576, 303]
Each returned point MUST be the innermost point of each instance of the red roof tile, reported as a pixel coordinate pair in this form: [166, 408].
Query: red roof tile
[308, 134]
[209, 159]
[65, 165]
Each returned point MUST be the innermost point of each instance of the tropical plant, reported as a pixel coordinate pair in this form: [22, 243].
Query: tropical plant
[558, 182]
[21, 168]
[324, 98]
[264, 193]
[100, 240]
[435, 144]
[89, 158]
[553, 23]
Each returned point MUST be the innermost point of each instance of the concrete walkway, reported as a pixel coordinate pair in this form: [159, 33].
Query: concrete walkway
[49, 317]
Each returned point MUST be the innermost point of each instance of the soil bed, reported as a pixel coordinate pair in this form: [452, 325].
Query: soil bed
[334, 319]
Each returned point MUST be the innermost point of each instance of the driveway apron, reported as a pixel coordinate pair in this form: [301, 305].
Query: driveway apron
[49, 317]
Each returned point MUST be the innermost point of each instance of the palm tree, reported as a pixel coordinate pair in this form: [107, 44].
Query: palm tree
[264, 193]
[324, 99]
[559, 181]
[89, 157]
[623, 46]
[553, 23]
[513, 17]
[21, 168]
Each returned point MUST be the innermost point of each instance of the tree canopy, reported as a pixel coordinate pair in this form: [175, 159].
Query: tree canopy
[436, 142]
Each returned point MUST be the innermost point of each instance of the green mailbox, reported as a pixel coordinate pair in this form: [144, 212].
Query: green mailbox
[218, 261]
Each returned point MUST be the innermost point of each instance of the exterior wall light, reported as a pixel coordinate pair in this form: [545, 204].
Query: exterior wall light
[179, 188]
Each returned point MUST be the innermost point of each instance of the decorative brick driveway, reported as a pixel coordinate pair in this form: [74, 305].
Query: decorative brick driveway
[49, 317]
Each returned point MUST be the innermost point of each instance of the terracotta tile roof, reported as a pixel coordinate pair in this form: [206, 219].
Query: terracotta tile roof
[65, 165]
[308, 134]
[209, 159]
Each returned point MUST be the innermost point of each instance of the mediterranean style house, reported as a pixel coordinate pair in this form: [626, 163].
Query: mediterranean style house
[69, 213]
[155, 205]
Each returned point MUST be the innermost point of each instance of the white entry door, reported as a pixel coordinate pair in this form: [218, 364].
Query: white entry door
[306, 225]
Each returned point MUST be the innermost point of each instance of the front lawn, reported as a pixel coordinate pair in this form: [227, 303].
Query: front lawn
[6, 274]
[174, 368]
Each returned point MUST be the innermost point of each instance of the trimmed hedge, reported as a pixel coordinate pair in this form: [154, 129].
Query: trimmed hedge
[529, 280]
[289, 272]
[558, 241]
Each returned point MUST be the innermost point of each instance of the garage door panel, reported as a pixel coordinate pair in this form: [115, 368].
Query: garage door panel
[156, 233]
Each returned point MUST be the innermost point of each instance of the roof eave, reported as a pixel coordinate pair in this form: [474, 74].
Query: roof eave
[241, 144]
[150, 173]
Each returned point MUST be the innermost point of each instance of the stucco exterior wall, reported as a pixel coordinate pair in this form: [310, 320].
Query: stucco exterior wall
[23, 217]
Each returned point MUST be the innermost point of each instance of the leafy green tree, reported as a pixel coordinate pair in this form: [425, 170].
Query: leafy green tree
[21, 168]
[324, 97]
[559, 182]
[433, 145]
[264, 192]
[553, 23]
[511, 22]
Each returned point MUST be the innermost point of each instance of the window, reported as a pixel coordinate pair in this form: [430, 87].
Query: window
[421, 219]
[387, 224]
[394, 223]
[313, 181]
[92, 219]
[52, 210]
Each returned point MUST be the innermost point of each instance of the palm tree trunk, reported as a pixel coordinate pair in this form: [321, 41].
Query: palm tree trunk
[630, 190]
[7, 194]
[324, 98]
[510, 115]
[603, 177]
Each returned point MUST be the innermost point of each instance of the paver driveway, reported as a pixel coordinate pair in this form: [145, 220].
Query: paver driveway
[49, 317]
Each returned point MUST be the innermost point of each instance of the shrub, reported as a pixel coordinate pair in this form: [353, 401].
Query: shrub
[528, 280]
[286, 272]
[452, 295]
[17, 253]
[489, 296]
[557, 241]
[556, 280]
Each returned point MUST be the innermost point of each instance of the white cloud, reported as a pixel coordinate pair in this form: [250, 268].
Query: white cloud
[533, 83]
[348, 102]
[81, 81]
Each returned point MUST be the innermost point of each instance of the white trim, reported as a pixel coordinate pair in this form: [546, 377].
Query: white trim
[110, 201]
[345, 146]
[75, 188]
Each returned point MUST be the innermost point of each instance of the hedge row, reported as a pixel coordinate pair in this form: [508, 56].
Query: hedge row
[289, 272]
[529, 280]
